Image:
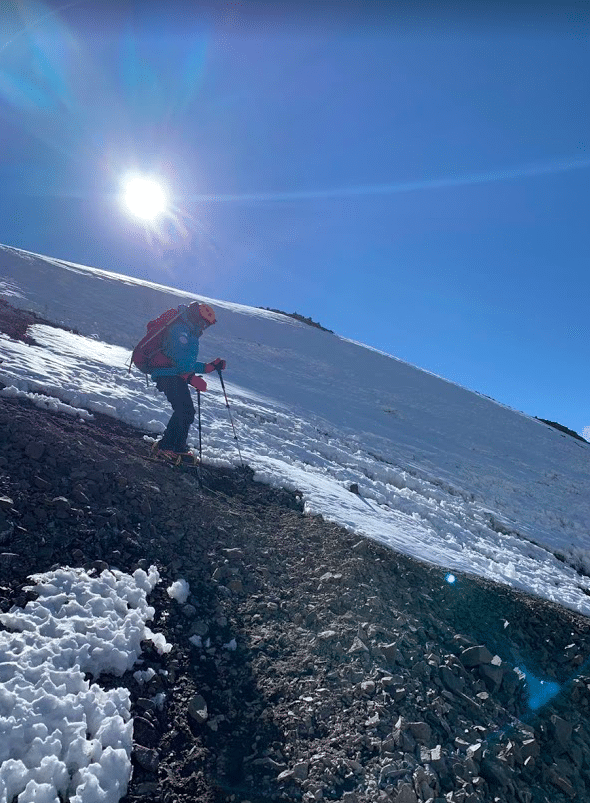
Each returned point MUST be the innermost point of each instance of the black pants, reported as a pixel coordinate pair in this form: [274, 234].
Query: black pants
[178, 394]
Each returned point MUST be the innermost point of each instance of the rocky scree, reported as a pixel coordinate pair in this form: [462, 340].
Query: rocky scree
[308, 664]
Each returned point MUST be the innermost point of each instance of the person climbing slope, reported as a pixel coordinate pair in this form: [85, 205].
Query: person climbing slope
[177, 368]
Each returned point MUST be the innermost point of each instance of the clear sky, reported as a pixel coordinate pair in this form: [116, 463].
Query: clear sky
[415, 177]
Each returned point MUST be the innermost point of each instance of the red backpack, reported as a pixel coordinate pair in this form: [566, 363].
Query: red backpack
[148, 354]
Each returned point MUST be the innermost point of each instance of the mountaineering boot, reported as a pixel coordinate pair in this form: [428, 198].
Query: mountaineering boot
[172, 456]
[186, 455]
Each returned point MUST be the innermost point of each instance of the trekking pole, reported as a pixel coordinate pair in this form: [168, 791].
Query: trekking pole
[199, 468]
[230, 415]
[199, 410]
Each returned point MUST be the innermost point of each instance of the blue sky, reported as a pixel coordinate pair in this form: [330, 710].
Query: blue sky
[415, 180]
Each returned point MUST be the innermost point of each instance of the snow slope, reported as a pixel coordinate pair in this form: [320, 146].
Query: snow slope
[445, 474]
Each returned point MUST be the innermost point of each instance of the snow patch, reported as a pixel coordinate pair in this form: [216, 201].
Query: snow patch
[45, 402]
[179, 590]
[61, 735]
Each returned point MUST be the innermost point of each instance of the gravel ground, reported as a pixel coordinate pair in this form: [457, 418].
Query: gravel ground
[308, 664]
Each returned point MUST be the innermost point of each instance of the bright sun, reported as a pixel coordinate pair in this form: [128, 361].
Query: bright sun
[144, 197]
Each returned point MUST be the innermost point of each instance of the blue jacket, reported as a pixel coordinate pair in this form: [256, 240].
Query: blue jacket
[181, 345]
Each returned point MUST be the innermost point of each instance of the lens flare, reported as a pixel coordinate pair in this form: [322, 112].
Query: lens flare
[539, 691]
[144, 197]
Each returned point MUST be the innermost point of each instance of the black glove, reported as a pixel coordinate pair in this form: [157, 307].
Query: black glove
[216, 365]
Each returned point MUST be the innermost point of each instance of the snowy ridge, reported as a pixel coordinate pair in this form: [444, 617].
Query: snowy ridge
[445, 475]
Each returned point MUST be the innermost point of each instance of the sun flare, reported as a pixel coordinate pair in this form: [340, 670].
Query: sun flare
[144, 197]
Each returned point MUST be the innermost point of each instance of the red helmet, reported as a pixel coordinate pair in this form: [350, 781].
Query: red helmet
[201, 315]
